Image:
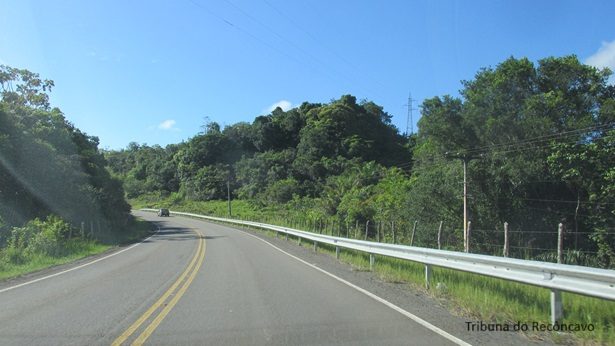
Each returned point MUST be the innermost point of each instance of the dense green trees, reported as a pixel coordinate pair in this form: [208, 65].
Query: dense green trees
[47, 166]
[277, 156]
[537, 138]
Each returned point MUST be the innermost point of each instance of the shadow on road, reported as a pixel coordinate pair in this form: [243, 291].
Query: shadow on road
[179, 234]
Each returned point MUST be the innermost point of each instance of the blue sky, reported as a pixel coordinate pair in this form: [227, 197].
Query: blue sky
[152, 71]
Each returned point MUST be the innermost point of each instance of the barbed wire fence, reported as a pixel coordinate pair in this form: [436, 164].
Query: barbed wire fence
[507, 240]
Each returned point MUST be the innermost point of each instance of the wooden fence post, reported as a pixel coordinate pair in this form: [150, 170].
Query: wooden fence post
[440, 235]
[366, 228]
[393, 231]
[413, 231]
[467, 240]
[560, 243]
[506, 244]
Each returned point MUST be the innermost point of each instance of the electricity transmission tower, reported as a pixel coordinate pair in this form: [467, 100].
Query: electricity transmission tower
[409, 120]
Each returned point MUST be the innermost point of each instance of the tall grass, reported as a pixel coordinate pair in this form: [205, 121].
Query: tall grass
[75, 249]
[39, 245]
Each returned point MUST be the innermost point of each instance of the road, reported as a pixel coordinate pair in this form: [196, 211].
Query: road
[199, 283]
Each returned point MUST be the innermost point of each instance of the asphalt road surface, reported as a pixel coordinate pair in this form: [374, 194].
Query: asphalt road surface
[199, 283]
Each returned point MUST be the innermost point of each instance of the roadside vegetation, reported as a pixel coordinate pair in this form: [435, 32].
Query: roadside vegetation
[538, 139]
[470, 295]
[58, 202]
[40, 244]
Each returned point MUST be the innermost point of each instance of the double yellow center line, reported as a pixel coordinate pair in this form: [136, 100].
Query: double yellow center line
[186, 278]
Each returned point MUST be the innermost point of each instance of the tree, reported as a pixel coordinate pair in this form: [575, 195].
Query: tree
[48, 166]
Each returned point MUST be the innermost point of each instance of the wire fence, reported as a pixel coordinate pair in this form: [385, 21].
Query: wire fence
[533, 244]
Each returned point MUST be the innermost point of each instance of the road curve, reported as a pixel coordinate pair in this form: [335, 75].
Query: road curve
[198, 283]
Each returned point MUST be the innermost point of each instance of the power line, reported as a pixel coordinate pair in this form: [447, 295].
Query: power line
[563, 201]
[544, 146]
[245, 32]
[566, 136]
[319, 42]
[543, 138]
[293, 44]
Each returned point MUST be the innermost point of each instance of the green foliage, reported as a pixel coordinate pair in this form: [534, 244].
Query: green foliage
[48, 166]
[303, 147]
[282, 191]
[537, 138]
[208, 183]
[43, 237]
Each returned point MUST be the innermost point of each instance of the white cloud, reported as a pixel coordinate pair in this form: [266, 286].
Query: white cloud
[168, 125]
[604, 57]
[284, 104]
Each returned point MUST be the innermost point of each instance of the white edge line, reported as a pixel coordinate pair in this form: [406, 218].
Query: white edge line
[375, 297]
[80, 266]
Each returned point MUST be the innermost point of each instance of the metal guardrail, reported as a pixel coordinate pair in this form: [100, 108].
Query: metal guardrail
[587, 281]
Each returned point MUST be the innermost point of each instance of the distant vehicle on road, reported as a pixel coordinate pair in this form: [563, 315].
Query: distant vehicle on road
[163, 212]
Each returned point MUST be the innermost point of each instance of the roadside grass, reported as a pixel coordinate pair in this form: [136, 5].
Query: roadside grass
[490, 299]
[74, 249]
[77, 249]
[470, 295]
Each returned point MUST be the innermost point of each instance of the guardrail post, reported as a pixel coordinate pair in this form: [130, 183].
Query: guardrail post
[557, 311]
[372, 260]
[299, 241]
[506, 245]
[337, 252]
[560, 243]
[440, 235]
[413, 231]
[315, 246]
[427, 275]
[286, 236]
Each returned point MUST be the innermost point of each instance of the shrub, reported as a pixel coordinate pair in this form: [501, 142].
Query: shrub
[38, 237]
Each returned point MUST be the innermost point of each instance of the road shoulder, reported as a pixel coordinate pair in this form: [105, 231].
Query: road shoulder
[403, 295]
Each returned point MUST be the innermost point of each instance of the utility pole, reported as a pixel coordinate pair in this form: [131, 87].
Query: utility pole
[465, 158]
[228, 194]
